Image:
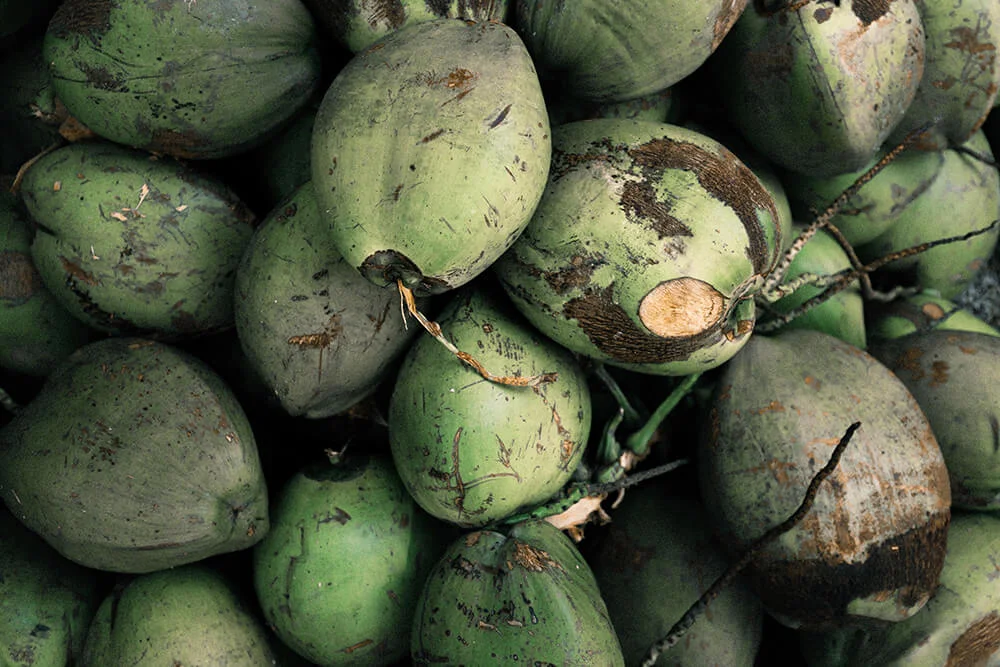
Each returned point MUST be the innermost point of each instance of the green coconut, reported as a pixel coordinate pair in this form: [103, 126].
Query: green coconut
[133, 244]
[134, 457]
[647, 248]
[191, 78]
[526, 596]
[471, 451]
[872, 547]
[430, 152]
[339, 573]
[917, 312]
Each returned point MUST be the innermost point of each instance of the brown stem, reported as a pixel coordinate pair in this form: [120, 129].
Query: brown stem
[434, 329]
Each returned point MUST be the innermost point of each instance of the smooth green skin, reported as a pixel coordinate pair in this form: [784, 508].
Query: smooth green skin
[164, 267]
[616, 51]
[880, 204]
[581, 269]
[36, 331]
[957, 626]
[433, 144]
[961, 71]
[46, 602]
[339, 573]
[780, 408]
[527, 597]
[919, 311]
[815, 90]
[200, 79]
[656, 561]
[188, 616]
[969, 192]
[939, 368]
[357, 24]
[843, 315]
[292, 284]
[134, 457]
[471, 451]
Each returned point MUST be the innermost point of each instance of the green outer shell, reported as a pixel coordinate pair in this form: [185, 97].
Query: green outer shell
[960, 625]
[134, 457]
[46, 602]
[195, 79]
[610, 51]
[638, 209]
[961, 72]
[473, 451]
[430, 152]
[339, 573]
[881, 203]
[657, 559]
[359, 23]
[164, 266]
[185, 616]
[952, 374]
[320, 335]
[874, 542]
[965, 196]
[818, 88]
[36, 331]
[926, 310]
[526, 597]
[843, 315]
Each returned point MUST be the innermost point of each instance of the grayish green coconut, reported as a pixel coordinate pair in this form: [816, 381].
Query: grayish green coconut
[46, 601]
[339, 573]
[471, 451]
[36, 331]
[130, 243]
[526, 596]
[188, 616]
[646, 249]
[961, 71]
[191, 78]
[960, 625]
[319, 335]
[134, 457]
[430, 152]
[952, 374]
[817, 87]
[917, 312]
[963, 197]
[358, 23]
[657, 559]
[612, 51]
[872, 547]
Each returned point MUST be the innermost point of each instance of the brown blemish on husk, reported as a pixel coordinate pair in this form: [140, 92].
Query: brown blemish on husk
[977, 644]
[724, 177]
[19, 281]
[91, 18]
[532, 558]
[681, 307]
[184, 144]
[101, 79]
[817, 592]
[641, 205]
[611, 330]
[576, 275]
[939, 373]
[724, 20]
[74, 270]
[869, 11]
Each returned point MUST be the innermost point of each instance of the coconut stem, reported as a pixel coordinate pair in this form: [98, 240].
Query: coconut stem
[837, 282]
[434, 329]
[698, 608]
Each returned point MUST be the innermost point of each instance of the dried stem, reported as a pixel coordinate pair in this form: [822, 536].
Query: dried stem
[434, 329]
[698, 608]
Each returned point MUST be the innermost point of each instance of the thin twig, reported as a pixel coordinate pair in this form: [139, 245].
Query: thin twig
[434, 329]
[698, 608]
